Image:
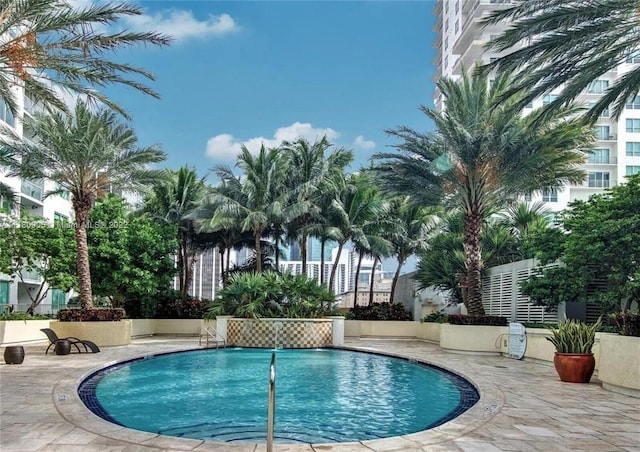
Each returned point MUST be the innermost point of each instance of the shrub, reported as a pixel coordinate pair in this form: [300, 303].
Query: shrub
[573, 336]
[628, 323]
[436, 317]
[22, 316]
[380, 311]
[271, 294]
[91, 315]
[172, 306]
[488, 320]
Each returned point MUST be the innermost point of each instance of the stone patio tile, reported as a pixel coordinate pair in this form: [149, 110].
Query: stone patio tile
[219, 447]
[392, 444]
[536, 431]
[23, 444]
[476, 446]
[83, 448]
[167, 442]
[341, 447]
[285, 448]
[77, 436]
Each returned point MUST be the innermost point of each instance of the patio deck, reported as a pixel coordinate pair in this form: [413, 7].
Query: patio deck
[523, 407]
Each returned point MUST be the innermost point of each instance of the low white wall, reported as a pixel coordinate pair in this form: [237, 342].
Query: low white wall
[429, 331]
[472, 338]
[22, 331]
[382, 328]
[620, 364]
[178, 327]
[104, 334]
[142, 327]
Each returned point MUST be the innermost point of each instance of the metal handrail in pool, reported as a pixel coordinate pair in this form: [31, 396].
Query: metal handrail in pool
[211, 333]
[271, 410]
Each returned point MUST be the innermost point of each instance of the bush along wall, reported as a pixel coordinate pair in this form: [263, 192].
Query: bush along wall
[487, 320]
[91, 315]
[628, 323]
[380, 311]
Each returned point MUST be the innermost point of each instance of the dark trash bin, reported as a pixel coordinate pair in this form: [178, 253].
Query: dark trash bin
[63, 347]
[14, 354]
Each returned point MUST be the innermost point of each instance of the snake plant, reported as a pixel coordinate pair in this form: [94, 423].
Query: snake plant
[573, 336]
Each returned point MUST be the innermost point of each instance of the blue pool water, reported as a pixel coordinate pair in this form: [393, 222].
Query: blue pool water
[321, 395]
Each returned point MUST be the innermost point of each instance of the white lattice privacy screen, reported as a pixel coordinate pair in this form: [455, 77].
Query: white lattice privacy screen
[501, 294]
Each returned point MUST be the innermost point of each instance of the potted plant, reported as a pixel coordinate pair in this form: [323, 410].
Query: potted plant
[574, 360]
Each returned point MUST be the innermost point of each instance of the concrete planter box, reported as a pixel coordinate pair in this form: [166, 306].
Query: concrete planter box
[472, 338]
[178, 327]
[539, 348]
[22, 331]
[142, 327]
[619, 368]
[380, 328]
[279, 333]
[104, 334]
[429, 331]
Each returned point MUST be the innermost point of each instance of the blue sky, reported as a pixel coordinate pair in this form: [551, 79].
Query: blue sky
[249, 71]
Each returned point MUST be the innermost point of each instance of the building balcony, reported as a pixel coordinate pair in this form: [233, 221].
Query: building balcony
[30, 277]
[602, 161]
[32, 190]
[609, 137]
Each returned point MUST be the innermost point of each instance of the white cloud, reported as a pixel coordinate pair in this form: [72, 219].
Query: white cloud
[182, 24]
[361, 143]
[226, 147]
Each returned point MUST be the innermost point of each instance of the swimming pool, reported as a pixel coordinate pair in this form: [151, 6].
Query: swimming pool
[324, 395]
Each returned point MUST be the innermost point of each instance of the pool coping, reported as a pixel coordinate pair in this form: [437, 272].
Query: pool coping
[69, 405]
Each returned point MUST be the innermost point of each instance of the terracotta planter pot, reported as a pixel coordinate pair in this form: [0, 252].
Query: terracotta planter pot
[574, 367]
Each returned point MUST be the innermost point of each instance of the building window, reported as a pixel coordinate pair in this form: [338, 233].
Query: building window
[64, 194]
[527, 197]
[5, 205]
[457, 6]
[633, 125]
[599, 156]
[5, 113]
[598, 86]
[550, 196]
[633, 104]
[602, 132]
[446, 61]
[529, 105]
[446, 25]
[633, 149]
[4, 293]
[631, 170]
[446, 6]
[59, 218]
[446, 43]
[548, 98]
[599, 180]
[633, 57]
[58, 300]
[457, 26]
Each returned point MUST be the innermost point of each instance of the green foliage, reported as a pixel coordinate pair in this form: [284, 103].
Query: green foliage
[22, 316]
[271, 294]
[171, 305]
[91, 315]
[599, 253]
[573, 336]
[488, 320]
[33, 245]
[436, 317]
[380, 311]
[130, 257]
[628, 323]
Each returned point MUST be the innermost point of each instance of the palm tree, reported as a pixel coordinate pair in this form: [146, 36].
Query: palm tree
[408, 232]
[310, 168]
[523, 217]
[53, 45]
[482, 156]
[356, 205]
[88, 155]
[173, 199]
[568, 44]
[255, 197]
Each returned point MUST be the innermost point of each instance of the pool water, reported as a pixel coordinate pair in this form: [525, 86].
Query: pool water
[323, 395]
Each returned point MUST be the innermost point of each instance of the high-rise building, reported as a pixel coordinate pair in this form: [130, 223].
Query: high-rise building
[30, 198]
[460, 43]
[206, 275]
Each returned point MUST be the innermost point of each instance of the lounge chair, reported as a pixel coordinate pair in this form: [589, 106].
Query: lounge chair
[87, 346]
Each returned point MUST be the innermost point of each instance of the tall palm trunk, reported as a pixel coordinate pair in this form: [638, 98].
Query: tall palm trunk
[81, 208]
[322, 242]
[334, 267]
[277, 245]
[373, 274]
[222, 270]
[303, 252]
[258, 247]
[396, 276]
[357, 276]
[472, 292]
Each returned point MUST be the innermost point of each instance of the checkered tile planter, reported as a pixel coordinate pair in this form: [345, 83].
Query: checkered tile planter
[289, 333]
